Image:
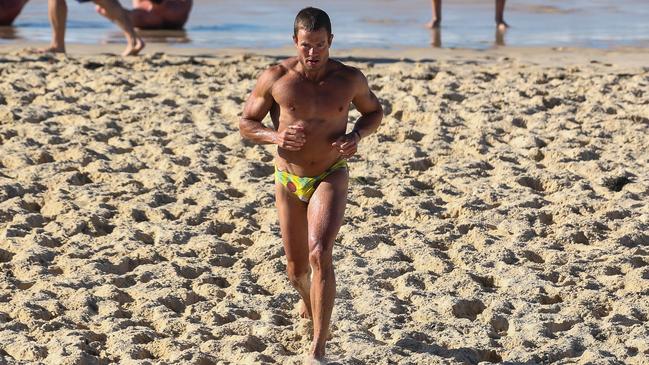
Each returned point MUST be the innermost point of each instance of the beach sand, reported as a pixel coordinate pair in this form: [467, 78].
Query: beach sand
[499, 214]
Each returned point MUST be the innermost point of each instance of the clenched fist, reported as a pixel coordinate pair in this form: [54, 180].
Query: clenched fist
[292, 138]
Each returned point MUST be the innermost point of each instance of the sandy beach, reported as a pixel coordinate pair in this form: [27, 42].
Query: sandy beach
[500, 213]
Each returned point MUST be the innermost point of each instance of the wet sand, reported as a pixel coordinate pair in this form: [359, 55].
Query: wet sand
[499, 214]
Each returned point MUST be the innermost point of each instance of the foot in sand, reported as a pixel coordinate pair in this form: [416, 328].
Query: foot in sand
[304, 311]
[311, 360]
[51, 49]
[134, 47]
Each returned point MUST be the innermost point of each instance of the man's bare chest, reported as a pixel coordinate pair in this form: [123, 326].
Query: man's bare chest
[307, 99]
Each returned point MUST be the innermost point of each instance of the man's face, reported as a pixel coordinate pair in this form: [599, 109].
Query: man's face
[313, 48]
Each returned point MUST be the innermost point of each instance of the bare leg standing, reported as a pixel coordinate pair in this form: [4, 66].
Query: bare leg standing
[500, 10]
[325, 216]
[293, 225]
[436, 16]
[57, 11]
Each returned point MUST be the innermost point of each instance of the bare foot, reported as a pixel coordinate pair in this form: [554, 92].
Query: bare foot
[50, 49]
[312, 360]
[134, 49]
[304, 311]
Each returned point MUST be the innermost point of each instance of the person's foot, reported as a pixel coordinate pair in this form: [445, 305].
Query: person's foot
[312, 360]
[433, 24]
[134, 48]
[51, 49]
[502, 26]
[304, 311]
[316, 355]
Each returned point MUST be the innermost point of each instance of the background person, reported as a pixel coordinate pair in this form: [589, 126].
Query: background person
[158, 14]
[9, 10]
[58, 14]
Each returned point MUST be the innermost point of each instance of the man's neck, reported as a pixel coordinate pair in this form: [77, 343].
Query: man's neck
[315, 75]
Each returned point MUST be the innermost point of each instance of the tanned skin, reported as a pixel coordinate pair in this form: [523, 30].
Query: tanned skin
[9, 10]
[308, 98]
[167, 14]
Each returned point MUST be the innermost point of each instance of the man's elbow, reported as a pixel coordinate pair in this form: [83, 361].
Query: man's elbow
[378, 112]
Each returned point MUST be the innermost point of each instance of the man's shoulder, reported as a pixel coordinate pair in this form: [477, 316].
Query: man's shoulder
[349, 72]
[278, 70]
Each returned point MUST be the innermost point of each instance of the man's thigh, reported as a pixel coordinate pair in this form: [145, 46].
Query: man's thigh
[293, 224]
[326, 210]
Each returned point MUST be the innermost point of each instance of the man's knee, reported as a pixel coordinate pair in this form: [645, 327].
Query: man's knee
[319, 258]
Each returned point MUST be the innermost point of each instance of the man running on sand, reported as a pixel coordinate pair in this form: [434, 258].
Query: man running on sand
[308, 98]
[58, 14]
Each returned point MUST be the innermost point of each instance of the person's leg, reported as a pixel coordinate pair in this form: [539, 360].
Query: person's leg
[436, 18]
[293, 225]
[500, 10]
[57, 10]
[114, 11]
[325, 216]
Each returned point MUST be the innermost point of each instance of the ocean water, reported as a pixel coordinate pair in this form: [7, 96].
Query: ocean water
[258, 24]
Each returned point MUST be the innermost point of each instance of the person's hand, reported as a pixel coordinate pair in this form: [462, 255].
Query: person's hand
[347, 144]
[292, 138]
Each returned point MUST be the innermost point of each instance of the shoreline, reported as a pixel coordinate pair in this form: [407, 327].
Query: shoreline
[541, 56]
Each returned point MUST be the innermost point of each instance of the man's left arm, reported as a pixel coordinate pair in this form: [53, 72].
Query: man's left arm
[371, 115]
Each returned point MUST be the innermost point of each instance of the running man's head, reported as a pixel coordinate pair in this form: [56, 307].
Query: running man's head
[312, 37]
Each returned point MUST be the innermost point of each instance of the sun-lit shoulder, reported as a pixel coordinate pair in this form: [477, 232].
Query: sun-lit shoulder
[357, 77]
[268, 77]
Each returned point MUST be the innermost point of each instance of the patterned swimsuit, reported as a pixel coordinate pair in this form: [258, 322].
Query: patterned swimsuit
[304, 187]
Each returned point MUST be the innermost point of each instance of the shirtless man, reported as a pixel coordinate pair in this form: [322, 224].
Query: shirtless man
[58, 14]
[158, 14]
[9, 10]
[308, 98]
[436, 19]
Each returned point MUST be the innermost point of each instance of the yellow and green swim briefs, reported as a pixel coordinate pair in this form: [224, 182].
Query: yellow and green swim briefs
[304, 187]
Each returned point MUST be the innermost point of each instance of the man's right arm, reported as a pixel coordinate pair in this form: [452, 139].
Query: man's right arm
[257, 106]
